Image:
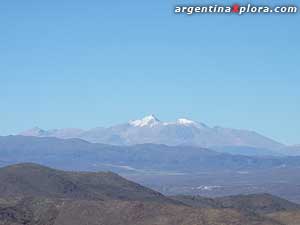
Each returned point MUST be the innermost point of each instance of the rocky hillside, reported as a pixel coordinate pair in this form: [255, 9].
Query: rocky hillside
[45, 211]
[31, 194]
[253, 203]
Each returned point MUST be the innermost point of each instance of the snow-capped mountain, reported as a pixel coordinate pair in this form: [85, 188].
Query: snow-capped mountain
[149, 121]
[151, 130]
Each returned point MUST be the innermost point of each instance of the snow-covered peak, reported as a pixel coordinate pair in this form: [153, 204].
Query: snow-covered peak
[184, 121]
[150, 121]
[146, 121]
[187, 122]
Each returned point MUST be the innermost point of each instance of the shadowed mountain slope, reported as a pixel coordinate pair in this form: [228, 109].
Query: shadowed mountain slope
[35, 180]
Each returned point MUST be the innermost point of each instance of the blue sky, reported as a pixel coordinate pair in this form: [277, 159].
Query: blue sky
[93, 63]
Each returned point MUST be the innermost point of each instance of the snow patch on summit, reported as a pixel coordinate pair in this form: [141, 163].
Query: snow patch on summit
[146, 121]
[187, 122]
[184, 121]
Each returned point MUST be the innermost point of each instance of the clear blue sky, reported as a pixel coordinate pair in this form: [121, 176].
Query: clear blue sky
[96, 63]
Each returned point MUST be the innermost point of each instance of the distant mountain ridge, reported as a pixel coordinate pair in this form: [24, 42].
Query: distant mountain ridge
[82, 155]
[151, 130]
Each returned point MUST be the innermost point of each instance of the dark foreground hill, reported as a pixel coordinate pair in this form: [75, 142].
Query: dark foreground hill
[29, 179]
[31, 194]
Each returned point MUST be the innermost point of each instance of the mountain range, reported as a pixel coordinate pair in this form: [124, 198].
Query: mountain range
[167, 169]
[79, 154]
[151, 130]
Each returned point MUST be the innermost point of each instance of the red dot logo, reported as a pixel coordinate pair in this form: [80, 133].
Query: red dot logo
[236, 8]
